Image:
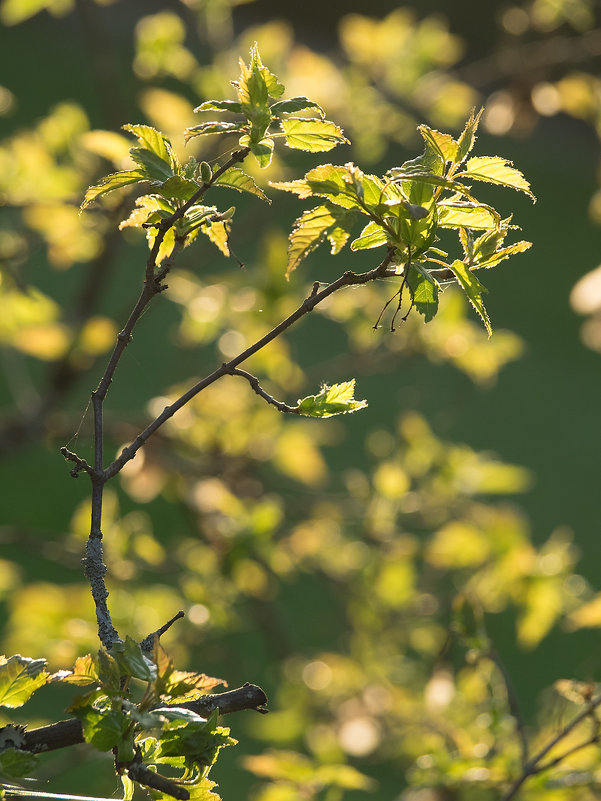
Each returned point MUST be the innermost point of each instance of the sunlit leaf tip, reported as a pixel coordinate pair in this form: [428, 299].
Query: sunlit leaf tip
[337, 399]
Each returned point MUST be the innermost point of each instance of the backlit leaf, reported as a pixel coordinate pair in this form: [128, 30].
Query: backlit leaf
[466, 141]
[154, 141]
[425, 294]
[235, 178]
[443, 143]
[496, 170]
[113, 181]
[372, 236]
[312, 135]
[178, 188]
[312, 227]
[466, 215]
[337, 399]
[473, 289]
[261, 150]
[218, 233]
[20, 677]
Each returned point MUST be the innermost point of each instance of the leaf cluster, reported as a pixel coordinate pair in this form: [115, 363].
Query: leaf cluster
[149, 731]
[406, 210]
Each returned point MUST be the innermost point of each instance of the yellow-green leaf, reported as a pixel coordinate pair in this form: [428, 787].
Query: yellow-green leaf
[312, 135]
[20, 677]
[473, 289]
[113, 181]
[496, 170]
[337, 399]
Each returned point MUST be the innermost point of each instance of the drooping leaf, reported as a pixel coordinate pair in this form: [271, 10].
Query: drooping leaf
[473, 289]
[312, 135]
[295, 104]
[20, 677]
[312, 227]
[496, 170]
[337, 399]
[235, 178]
[372, 236]
[218, 233]
[113, 181]
[220, 105]
[424, 293]
[213, 127]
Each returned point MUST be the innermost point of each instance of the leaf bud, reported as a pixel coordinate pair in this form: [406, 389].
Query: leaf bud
[206, 173]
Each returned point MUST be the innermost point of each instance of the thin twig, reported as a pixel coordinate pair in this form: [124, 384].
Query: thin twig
[533, 766]
[254, 382]
[314, 299]
[147, 643]
[514, 706]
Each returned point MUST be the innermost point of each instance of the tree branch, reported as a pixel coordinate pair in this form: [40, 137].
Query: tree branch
[315, 298]
[69, 732]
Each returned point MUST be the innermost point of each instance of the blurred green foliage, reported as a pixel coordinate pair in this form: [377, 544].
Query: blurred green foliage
[357, 587]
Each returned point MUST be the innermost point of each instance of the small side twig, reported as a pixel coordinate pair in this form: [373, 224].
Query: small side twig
[137, 771]
[147, 644]
[254, 382]
[80, 464]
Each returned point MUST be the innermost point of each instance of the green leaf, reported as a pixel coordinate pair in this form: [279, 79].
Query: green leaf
[102, 729]
[338, 184]
[372, 236]
[20, 677]
[501, 254]
[132, 661]
[458, 214]
[294, 104]
[178, 188]
[113, 181]
[220, 105]
[208, 128]
[235, 178]
[466, 141]
[15, 763]
[155, 142]
[108, 671]
[261, 150]
[312, 135]
[473, 289]
[496, 170]
[443, 143]
[255, 85]
[337, 399]
[153, 167]
[424, 293]
[312, 227]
